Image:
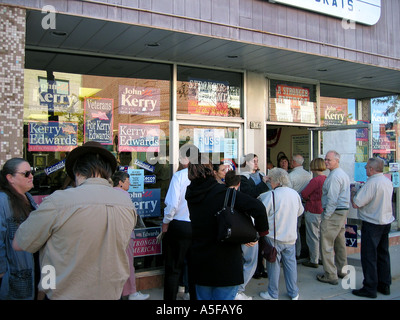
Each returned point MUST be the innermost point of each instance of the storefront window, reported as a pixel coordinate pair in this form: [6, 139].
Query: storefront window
[129, 116]
[208, 92]
[219, 143]
[385, 128]
[385, 112]
[292, 102]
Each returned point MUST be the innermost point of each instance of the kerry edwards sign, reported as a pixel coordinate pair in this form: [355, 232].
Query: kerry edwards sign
[362, 11]
[52, 136]
[139, 138]
[145, 242]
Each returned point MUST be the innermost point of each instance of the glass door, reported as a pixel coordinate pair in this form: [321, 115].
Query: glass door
[221, 141]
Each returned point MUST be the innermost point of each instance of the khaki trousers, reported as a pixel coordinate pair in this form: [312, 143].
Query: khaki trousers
[333, 244]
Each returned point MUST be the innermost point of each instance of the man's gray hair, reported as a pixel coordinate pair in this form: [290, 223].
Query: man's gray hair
[335, 154]
[377, 164]
[298, 158]
[279, 176]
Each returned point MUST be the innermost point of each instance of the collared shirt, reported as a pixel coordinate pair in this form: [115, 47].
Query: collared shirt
[335, 192]
[83, 233]
[374, 200]
[176, 205]
[287, 208]
[299, 178]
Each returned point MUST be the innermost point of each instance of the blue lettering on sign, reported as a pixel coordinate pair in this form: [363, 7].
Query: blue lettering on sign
[147, 203]
[334, 3]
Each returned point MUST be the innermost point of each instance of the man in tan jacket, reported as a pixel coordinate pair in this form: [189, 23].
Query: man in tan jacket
[82, 233]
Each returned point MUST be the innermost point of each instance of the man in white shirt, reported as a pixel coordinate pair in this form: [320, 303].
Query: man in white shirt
[374, 204]
[177, 229]
[335, 202]
[299, 179]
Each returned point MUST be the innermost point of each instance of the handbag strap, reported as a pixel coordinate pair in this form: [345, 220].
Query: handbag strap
[227, 197]
[233, 197]
[273, 201]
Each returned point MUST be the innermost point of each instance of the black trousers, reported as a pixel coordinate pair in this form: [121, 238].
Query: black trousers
[177, 250]
[375, 258]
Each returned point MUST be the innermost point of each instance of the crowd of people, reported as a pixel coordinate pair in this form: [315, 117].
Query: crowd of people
[85, 232]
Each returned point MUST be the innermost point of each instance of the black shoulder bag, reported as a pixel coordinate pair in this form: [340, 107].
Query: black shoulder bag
[234, 226]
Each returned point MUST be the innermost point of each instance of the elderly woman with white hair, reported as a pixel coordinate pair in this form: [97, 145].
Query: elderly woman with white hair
[283, 206]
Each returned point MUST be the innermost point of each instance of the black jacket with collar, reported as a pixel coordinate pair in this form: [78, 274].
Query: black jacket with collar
[217, 264]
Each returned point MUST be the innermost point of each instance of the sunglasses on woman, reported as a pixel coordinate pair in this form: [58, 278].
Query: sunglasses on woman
[26, 174]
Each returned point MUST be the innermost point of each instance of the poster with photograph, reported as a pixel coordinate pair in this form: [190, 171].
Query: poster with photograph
[52, 136]
[138, 138]
[99, 120]
[139, 100]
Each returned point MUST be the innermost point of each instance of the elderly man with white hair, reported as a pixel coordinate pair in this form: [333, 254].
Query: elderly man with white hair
[283, 206]
[299, 179]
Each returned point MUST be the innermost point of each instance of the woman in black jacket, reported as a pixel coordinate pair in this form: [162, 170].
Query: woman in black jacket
[218, 268]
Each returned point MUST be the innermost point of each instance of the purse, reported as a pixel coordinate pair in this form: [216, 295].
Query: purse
[267, 250]
[234, 226]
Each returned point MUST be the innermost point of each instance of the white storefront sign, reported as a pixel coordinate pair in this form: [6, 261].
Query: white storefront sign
[362, 11]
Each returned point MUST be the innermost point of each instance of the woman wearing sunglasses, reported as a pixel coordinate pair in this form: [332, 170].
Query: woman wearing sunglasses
[17, 268]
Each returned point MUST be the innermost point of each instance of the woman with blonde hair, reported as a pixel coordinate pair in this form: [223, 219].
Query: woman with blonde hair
[312, 194]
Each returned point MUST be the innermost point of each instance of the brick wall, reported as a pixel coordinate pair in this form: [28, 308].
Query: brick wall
[12, 57]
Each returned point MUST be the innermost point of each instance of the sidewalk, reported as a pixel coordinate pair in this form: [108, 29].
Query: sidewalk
[312, 289]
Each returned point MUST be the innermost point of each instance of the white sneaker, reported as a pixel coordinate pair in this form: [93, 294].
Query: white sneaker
[138, 296]
[265, 295]
[296, 297]
[242, 296]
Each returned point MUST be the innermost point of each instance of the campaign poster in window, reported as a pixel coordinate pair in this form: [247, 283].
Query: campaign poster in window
[99, 120]
[208, 97]
[147, 202]
[136, 180]
[139, 100]
[52, 136]
[209, 140]
[145, 242]
[54, 95]
[139, 138]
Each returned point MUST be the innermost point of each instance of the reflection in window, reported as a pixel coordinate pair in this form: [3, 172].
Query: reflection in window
[385, 113]
[209, 92]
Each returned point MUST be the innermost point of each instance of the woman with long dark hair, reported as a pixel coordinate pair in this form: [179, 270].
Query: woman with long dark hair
[17, 268]
[217, 266]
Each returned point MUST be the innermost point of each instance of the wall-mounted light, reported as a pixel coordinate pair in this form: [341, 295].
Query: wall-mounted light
[59, 33]
[152, 44]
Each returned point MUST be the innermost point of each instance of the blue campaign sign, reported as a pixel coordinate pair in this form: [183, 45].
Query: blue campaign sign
[147, 203]
[351, 235]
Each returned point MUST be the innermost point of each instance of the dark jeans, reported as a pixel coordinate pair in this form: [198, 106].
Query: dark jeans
[176, 246]
[375, 258]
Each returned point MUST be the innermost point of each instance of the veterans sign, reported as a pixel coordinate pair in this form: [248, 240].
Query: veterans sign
[99, 120]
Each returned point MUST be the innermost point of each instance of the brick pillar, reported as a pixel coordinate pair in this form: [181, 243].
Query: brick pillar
[12, 58]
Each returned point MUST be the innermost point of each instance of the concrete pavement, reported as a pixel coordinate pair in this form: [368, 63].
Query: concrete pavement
[312, 289]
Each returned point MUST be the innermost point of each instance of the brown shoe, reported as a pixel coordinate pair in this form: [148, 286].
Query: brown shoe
[310, 264]
[323, 278]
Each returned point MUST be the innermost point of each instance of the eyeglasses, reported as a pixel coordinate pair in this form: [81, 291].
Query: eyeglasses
[26, 173]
